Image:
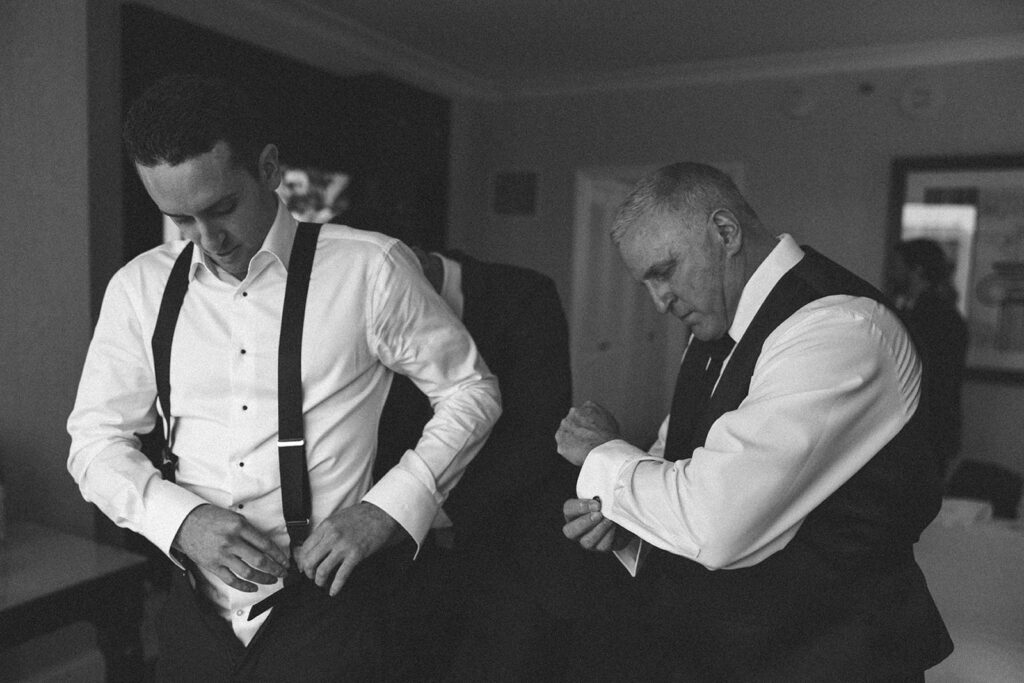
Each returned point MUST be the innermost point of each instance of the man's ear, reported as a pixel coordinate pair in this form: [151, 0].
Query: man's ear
[270, 167]
[729, 230]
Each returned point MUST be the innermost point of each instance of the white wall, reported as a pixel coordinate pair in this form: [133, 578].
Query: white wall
[46, 281]
[823, 178]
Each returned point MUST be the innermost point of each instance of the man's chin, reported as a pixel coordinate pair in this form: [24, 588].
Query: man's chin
[706, 333]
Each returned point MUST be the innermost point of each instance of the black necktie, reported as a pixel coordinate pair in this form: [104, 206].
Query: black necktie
[697, 378]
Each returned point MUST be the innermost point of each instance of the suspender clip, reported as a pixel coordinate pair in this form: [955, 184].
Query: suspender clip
[168, 463]
[298, 532]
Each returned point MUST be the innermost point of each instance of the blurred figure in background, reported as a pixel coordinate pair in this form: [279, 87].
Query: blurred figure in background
[926, 300]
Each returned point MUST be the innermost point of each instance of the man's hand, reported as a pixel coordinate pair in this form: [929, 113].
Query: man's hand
[226, 544]
[342, 541]
[585, 524]
[584, 429]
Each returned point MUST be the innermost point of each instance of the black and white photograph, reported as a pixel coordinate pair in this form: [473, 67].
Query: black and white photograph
[512, 341]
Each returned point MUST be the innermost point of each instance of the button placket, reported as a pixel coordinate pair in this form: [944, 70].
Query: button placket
[241, 374]
[247, 342]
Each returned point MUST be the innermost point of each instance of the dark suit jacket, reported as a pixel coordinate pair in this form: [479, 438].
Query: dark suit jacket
[516, 318]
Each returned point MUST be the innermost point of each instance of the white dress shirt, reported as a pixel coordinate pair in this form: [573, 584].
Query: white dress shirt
[369, 311]
[451, 284]
[451, 292]
[833, 384]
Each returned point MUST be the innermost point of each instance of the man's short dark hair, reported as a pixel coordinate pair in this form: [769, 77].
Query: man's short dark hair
[928, 255]
[184, 115]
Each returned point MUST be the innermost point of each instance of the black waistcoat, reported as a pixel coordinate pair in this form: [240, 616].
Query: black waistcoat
[844, 600]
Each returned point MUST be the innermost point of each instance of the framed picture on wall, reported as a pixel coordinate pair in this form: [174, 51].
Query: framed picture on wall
[973, 206]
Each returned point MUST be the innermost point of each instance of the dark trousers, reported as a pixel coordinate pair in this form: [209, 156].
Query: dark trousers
[309, 637]
[523, 604]
[514, 634]
[476, 616]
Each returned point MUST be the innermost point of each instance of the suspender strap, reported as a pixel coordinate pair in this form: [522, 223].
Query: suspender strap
[163, 334]
[295, 490]
[291, 444]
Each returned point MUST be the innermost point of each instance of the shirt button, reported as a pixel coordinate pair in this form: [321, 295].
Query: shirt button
[245, 407]
[240, 613]
[245, 293]
[241, 464]
[243, 352]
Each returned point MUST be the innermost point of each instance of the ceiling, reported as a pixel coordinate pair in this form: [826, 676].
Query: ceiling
[501, 48]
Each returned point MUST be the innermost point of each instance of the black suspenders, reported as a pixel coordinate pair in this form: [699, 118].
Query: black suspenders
[163, 334]
[291, 438]
[291, 444]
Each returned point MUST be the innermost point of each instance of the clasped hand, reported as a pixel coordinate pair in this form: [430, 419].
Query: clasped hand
[585, 524]
[584, 429]
[226, 544]
[342, 541]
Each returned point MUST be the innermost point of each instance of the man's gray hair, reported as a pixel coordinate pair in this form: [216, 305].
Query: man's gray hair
[686, 188]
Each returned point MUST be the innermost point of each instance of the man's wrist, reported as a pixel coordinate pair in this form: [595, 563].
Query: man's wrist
[595, 444]
[177, 541]
[396, 533]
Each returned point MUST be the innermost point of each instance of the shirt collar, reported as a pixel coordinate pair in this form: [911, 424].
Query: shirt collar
[277, 244]
[451, 284]
[786, 254]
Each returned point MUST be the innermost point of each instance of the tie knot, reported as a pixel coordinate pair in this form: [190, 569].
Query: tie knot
[720, 348]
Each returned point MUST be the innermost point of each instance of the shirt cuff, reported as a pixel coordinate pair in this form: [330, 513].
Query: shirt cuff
[406, 500]
[600, 472]
[167, 506]
[599, 477]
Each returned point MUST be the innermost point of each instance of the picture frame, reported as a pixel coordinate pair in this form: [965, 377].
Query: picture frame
[974, 207]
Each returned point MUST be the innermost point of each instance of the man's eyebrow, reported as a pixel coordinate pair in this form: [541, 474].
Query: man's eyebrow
[219, 204]
[658, 268]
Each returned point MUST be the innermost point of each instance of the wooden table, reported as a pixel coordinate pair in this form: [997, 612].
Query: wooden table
[49, 579]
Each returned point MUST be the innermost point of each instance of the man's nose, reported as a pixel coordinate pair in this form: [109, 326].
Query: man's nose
[661, 295]
[210, 237]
